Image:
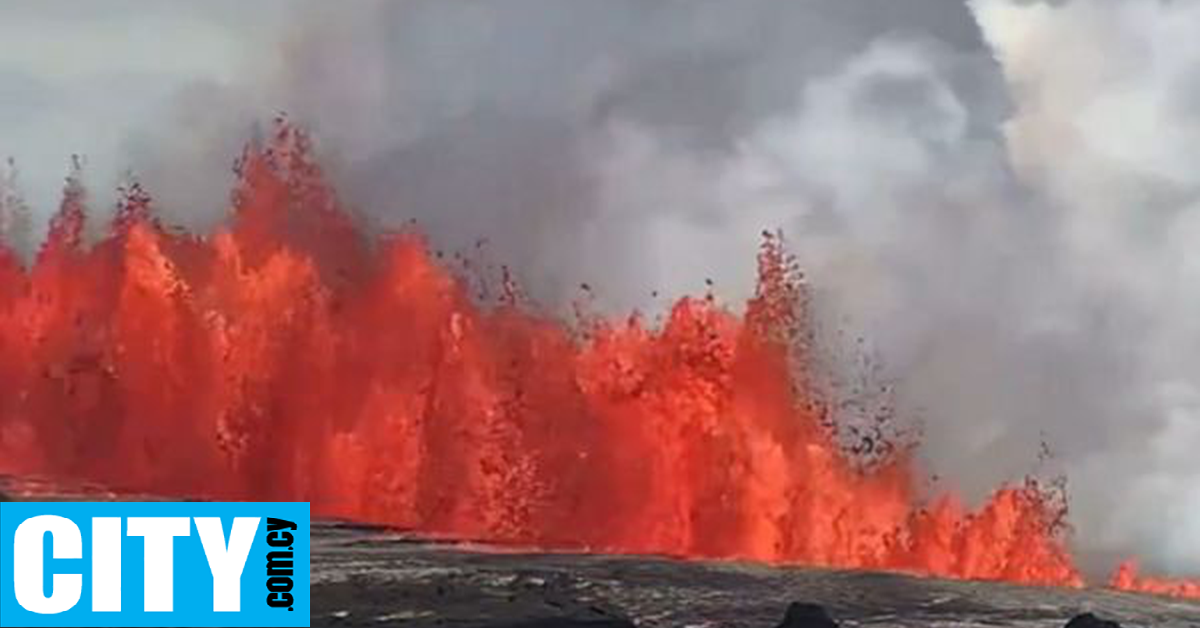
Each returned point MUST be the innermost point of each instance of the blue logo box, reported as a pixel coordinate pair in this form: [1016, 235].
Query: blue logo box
[154, 564]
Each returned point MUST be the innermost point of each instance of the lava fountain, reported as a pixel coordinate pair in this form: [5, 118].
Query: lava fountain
[288, 356]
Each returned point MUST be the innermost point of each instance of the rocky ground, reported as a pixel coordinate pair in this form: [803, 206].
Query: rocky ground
[365, 576]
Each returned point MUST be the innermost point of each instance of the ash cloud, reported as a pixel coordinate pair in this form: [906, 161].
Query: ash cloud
[995, 195]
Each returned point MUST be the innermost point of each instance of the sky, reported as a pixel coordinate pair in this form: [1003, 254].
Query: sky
[998, 197]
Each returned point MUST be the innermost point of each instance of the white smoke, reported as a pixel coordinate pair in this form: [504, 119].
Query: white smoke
[1104, 128]
[997, 197]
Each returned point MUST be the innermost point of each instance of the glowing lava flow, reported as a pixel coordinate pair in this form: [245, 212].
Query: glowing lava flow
[1127, 578]
[288, 357]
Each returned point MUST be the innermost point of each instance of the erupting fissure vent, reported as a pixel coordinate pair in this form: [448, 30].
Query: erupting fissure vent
[290, 357]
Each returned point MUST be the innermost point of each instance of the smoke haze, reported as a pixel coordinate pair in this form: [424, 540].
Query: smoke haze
[996, 196]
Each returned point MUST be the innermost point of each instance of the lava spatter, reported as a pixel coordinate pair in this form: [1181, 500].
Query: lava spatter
[288, 356]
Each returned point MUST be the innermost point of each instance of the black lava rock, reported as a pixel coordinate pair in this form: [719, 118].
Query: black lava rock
[802, 615]
[1088, 620]
[568, 622]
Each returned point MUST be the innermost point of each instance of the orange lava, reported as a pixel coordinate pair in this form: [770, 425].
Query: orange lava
[1127, 578]
[290, 357]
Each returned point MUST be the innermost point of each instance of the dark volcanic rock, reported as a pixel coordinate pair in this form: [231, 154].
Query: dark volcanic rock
[600, 621]
[461, 600]
[376, 578]
[802, 615]
[1088, 620]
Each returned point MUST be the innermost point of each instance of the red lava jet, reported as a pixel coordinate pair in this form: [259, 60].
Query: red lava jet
[289, 356]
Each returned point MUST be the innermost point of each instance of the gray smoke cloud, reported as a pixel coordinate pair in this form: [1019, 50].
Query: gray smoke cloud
[996, 196]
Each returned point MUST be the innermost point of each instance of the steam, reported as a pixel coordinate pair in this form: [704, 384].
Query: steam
[1106, 144]
[997, 198]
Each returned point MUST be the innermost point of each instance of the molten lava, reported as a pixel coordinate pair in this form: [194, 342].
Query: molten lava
[290, 357]
[1127, 578]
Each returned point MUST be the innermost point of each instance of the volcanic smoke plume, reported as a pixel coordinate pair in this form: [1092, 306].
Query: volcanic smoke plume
[994, 202]
[290, 357]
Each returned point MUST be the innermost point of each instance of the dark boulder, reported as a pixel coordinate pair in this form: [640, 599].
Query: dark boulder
[802, 615]
[1088, 620]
